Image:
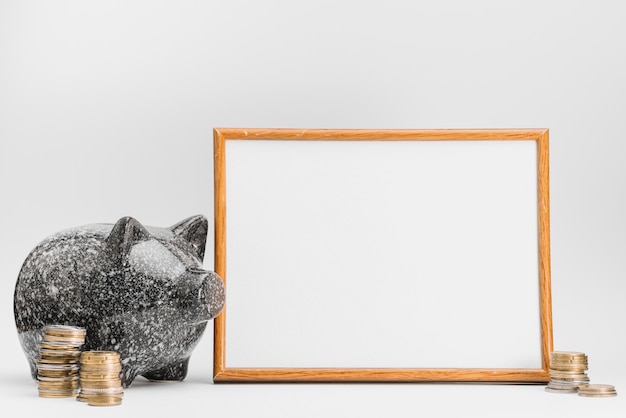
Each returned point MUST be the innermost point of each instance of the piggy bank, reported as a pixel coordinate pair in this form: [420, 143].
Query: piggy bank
[137, 290]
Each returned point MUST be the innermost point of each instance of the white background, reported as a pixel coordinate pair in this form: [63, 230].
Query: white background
[106, 110]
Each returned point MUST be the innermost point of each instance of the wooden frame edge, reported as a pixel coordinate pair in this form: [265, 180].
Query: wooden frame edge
[222, 374]
[355, 375]
[219, 323]
[376, 134]
[543, 233]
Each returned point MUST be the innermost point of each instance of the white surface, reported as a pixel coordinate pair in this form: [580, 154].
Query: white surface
[199, 398]
[106, 110]
[382, 254]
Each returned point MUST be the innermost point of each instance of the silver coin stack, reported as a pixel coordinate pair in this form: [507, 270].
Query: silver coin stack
[57, 368]
[568, 371]
[597, 391]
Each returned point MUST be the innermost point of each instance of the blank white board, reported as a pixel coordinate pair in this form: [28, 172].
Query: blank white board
[382, 254]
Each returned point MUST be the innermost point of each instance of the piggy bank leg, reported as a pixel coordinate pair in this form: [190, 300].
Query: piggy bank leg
[174, 372]
[34, 371]
[30, 341]
[128, 375]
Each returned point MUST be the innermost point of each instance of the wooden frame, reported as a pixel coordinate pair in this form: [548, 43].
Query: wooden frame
[223, 373]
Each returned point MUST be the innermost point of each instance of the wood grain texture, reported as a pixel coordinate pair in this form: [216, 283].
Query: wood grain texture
[543, 210]
[382, 375]
[222, 373]
[219, 167]
[380, 134]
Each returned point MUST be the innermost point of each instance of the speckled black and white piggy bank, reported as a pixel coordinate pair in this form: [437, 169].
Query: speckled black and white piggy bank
[138, 290]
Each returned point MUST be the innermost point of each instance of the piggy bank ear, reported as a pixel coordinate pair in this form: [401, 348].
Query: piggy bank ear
[126, 232]
[193, 230]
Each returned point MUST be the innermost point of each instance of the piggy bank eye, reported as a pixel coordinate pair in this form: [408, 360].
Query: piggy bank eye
[153, 259]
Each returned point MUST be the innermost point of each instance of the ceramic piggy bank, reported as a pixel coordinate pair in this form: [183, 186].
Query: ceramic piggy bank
[137, 290]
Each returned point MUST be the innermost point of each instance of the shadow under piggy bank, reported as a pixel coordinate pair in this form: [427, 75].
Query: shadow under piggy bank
[137, 290]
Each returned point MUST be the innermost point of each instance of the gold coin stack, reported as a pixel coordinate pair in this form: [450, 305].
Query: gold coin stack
[57, 366]
[597, 391]
[567, 371]
[100, 382]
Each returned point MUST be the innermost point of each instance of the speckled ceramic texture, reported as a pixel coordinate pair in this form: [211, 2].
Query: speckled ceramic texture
[138, 290]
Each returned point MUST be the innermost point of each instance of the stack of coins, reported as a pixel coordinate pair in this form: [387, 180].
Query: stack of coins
[597, 391]
[567, 371]
[57, 366]
[100, 382]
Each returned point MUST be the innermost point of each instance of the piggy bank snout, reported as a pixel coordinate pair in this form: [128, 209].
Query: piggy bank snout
[201, 295]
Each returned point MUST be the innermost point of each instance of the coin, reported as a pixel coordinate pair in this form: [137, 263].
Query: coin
[566, 372]
[57, 368]
[597, 391]
[569, 358]
[99, 373]
[571, 377]
[45, 393]
[559, 386]
[58, 385]
[568, 363]
[59, 361]
[59, 329]
[562, 358]
[112, 390]
[101, 384]
[104, 400]
[55, 373]
[597, 388]
[74, 340]
[549, 389]
[103, 356]
[41, 378]
[568, 375]
[57, 352]
[582, 377]
[568, 368]
[568, 354]
[571, 384]
[102, 368]
[112, 383]
[57, 345]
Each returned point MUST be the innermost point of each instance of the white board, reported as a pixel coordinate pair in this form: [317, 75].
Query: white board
[386, 254]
